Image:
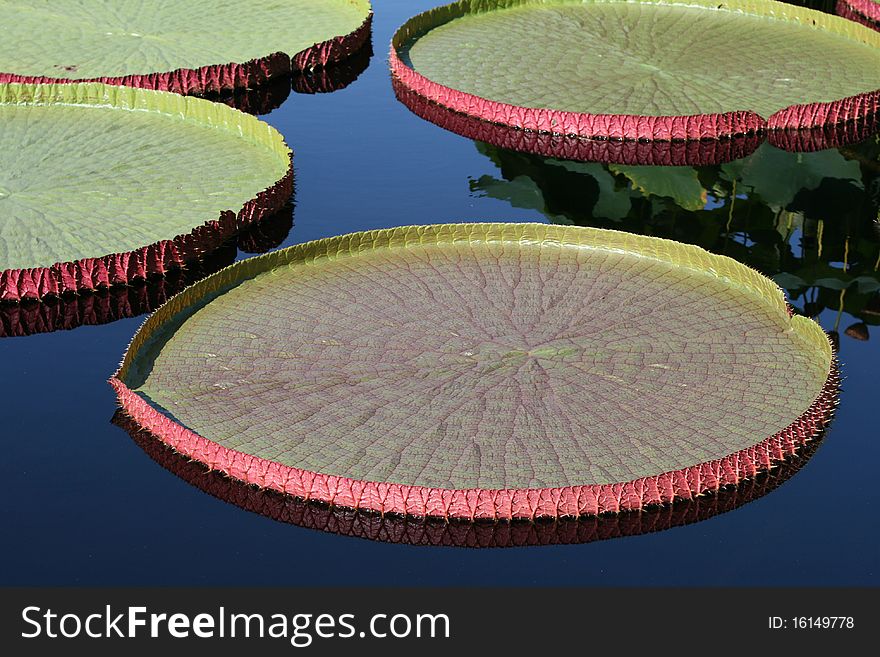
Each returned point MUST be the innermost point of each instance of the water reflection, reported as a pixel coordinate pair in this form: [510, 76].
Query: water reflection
[258, 101]
[326, 79]
[336, 76]
[120, 302]
[807, 220]
[458, 533]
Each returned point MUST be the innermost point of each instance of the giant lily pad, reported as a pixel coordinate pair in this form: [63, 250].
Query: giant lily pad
[102, 184]
[187, 47]
[482, 371]
[648, 70]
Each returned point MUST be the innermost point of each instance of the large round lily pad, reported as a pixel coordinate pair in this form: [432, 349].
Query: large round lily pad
[651, 69]
[102, 184]
[188, 47]
[482, 370]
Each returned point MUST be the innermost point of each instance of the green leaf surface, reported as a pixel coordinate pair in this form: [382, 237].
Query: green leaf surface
[778, 176]
[81, 39]
[482, 355]
[681, 184]
[650, 57]
[521, 192]
[88, 170]
[612, 203]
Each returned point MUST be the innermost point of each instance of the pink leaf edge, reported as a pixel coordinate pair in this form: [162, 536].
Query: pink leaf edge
[488, 504]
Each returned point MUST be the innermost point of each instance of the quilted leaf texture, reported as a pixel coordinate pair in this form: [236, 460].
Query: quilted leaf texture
[102, 185]
[483, 371]
[634, 70]
[191, 47]
[393, 528]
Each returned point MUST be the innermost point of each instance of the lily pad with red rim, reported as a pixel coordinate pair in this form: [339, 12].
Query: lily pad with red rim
[102, 185]
[189, 47]
[646, 70]
[483, 371]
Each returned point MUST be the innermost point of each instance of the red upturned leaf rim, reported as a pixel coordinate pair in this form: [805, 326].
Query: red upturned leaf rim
[391, 528]
[142, 297]
[333, 77]
[866, 12]
[101, 272]
[863, 108]
[463, 503]
[109, 305]
[694, 152]
[217, 78]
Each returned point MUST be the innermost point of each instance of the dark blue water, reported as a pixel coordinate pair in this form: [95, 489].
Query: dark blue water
[84, 504]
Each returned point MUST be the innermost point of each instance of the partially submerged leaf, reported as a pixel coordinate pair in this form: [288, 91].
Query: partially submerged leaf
[521, 192]
[612, 202]
[858, 331]
[777, 176]
[681, 184]
[102, 185]
[482, 370]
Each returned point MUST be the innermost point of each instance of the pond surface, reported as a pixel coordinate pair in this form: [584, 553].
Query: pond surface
[86, 505]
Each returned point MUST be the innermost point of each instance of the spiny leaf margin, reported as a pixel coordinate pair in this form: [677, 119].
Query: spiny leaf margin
[224, 77]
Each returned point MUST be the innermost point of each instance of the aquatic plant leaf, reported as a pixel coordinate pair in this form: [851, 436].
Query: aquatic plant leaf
[612, 203]
[867, 284]
[482, 370]
[789, 281]
[633, 70]
[102, 184]
[777, 176]
[521, 192]
[188, 47]
[140, 297]
[681, 184]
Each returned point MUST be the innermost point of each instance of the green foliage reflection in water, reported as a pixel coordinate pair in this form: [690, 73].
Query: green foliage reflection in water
[808, 220]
